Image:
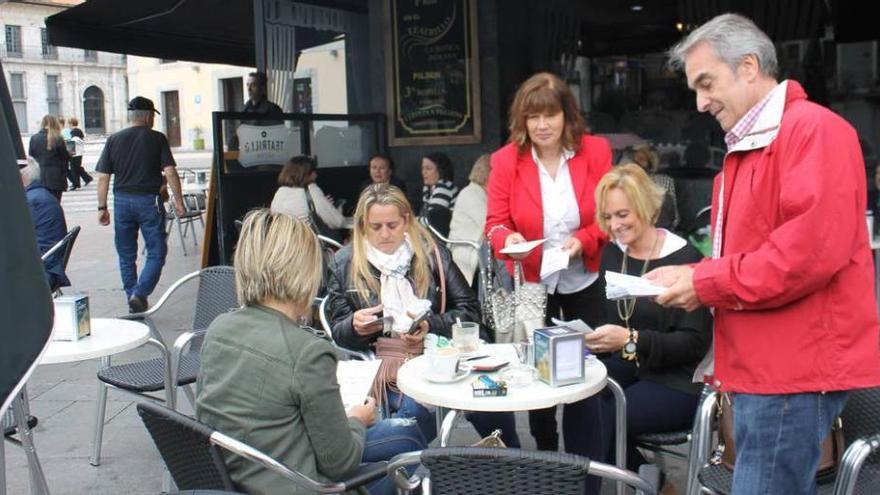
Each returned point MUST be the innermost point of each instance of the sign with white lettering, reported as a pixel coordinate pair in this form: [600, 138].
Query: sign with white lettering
[266, 145]
[433, 77]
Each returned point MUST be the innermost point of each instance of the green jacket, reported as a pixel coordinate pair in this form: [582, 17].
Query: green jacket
[271, 384]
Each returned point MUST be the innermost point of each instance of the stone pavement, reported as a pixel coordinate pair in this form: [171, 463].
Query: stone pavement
[62, 396]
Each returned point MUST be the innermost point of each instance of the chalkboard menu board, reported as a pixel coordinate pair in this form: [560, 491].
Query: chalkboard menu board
[433, 72]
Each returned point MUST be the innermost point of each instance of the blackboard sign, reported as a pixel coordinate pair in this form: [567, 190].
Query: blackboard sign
[433, 74]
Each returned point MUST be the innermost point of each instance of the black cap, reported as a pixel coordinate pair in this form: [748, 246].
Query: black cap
[141, 103]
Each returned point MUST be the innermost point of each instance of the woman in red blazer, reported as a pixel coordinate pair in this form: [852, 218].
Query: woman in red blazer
[541, 187]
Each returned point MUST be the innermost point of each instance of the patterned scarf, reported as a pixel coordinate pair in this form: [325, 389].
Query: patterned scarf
[397, 294]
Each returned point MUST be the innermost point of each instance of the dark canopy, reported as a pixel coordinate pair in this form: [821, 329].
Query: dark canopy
[25, 302]
[211, 31]
[195, 30]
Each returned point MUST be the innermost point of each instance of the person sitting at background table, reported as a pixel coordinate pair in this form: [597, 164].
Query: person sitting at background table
[269, 380]
[651, 351]
[541, 187]
[382, 172]
[297, 175]
[438, 191]
[391, 262]
[469, 219]
[646, 156]
[50, 225]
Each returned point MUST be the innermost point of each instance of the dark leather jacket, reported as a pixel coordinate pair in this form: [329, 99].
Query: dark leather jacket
[344, 301]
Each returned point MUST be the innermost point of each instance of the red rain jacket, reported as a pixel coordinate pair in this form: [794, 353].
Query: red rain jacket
[793, 290]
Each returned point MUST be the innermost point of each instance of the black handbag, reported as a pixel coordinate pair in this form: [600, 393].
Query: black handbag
[318, 225]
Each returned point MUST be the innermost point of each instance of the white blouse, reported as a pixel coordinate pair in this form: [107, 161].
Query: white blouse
[292, 201]
[562, 219]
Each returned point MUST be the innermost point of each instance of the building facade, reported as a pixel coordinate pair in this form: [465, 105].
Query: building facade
[186, 93]
[68, 82]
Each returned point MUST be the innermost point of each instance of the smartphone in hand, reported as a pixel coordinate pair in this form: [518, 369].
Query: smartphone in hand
[417, 321]
[380, 323]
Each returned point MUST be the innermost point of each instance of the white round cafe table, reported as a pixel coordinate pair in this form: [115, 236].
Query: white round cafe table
[458, 396]
[109, 336]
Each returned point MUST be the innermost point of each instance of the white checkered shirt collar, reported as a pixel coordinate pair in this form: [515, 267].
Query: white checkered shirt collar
[747, 121]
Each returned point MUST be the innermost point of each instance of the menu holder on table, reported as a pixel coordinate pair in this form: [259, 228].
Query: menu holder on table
[559, 355]
[72, 320]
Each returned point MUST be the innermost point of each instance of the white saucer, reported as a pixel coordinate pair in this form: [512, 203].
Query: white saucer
[447, 379]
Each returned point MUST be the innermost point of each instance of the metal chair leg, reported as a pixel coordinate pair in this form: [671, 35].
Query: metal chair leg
[447, 426]
[180, 232]
[701, 440]
[619, 429]
[100, 413]
[37, 479]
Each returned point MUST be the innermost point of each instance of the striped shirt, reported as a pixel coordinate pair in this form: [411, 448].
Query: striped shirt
[443, 193]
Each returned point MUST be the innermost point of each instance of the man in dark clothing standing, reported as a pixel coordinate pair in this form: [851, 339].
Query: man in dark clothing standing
[138, 156]
[49, 223]
[258, 102]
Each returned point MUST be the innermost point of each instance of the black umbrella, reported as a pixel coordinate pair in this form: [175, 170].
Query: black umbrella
[25, 303]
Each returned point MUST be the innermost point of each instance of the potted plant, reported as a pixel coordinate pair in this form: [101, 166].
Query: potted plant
[198, 139]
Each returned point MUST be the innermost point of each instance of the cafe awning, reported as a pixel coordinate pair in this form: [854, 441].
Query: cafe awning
[194, 30]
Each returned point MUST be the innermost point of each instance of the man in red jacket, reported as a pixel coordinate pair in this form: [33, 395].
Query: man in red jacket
[791, 276]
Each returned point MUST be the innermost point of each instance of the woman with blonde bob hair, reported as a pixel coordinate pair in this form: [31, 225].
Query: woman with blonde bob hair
[651, 351]
[47, 147]
[269, 380]
[394, 268]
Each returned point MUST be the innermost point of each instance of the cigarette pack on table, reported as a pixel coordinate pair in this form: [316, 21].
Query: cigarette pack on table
[72, 320]
[484, 386]
[559, 355]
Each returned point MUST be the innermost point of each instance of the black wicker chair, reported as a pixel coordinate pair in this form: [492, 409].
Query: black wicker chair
[178, 366]
[490, 471]
[192, 452]
[65, 247]
[859, 472]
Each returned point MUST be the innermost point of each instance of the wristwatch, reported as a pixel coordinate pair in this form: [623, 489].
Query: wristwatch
[629, 349]
[102, 208]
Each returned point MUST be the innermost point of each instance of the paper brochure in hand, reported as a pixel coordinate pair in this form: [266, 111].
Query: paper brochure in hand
[554, 260]
[355, 379]
[576, 325]
[522, 247]
[619, 286]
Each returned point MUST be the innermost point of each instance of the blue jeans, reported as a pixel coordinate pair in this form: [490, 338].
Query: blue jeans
[778, 440]
[484, 422]
[131, 212]
[386, 439]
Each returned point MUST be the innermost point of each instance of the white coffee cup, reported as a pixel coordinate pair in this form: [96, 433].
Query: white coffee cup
[443, 362]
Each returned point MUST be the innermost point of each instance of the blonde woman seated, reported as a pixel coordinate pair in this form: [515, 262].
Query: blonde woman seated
[390, 265]
[469, 218]
[269, 381]
[651, 351]
[297, 176]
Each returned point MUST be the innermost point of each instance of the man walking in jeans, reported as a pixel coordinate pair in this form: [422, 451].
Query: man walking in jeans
[138, 156]
[791, 277]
